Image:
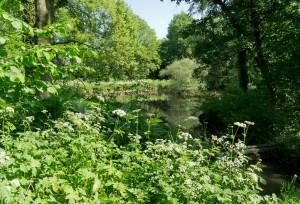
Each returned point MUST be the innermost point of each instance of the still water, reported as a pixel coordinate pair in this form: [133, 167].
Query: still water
[184, 112]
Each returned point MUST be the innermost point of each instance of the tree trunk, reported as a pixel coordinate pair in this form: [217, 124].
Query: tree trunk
[261, 59]
[44, 16]
[241, 53]
[243, 71]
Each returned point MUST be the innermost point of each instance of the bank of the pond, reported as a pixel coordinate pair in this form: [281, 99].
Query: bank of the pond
[134, 87]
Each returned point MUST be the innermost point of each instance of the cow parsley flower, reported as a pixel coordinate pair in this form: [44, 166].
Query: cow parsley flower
[242, 125]
[3, 158]
[249, 123]
[15, 182]
[30, 119]
[119, 113]
[44, 111]
[10, 109]
[185, 136]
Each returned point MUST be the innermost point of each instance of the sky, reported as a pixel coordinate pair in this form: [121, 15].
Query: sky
[156, 13]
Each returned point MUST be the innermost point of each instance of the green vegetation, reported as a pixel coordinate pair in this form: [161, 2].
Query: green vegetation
[116, 87]
[181, 75]
[62, 142]
[115, 156]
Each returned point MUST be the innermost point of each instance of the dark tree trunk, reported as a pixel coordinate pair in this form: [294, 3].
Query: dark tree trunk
[243, 71]
[260, 58]
[44, 16]
[242, 52]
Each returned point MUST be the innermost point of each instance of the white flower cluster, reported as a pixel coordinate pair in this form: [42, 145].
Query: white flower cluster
[44, 111]
[8, 110]
[119, 113]
[240, 146]
[219, 140]
[15, 183]
[134, 138]
[30, 119]
[3, 158]
[243, 125]
[66, 125]
[100, 98]
[185, 136]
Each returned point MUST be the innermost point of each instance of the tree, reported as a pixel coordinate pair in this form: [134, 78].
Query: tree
[247, 20]
[176, 46]
[28, 67]
[126, 45]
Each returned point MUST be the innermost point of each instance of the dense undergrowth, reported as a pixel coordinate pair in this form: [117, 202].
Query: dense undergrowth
[94, 152]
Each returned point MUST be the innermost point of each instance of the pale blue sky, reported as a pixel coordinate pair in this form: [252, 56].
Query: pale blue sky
[156, 13]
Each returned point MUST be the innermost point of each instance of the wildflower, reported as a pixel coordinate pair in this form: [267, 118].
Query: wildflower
[65, 124]
[100, 98]
[170, 167]
[192, 164]
[119, 113]
[178, 150]
[44, 111]
[242, 125]
[220, 140]
[249, 123]
[188, 181]
[10, 109]
[15, 182]
[182, 168]
[213, 137]
[3, 158]
[30, 119]
[240, 145]
[185, 136]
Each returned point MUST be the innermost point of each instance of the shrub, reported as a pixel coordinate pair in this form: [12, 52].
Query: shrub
[181, 74]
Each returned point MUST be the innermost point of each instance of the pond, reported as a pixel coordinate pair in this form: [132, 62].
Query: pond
[184, 111]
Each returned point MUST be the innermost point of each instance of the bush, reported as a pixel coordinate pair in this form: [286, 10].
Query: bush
[181, 73]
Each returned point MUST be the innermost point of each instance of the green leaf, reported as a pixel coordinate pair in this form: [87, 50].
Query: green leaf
[3, 53]
[29, 90]
[78, 60]
[52, 90]
[5, 16]
[16, 25]
[47, 55]
[17, 74]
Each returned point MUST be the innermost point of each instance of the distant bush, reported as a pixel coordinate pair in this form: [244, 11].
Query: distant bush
[181, 73]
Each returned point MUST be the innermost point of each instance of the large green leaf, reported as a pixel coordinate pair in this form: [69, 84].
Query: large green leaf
[17, 25]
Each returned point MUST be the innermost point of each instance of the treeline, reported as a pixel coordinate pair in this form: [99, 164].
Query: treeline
[249, 51]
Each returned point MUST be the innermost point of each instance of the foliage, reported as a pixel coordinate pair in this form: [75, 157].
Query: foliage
[290, 192]
[175, 46]
[22, 65]
[126, 45]
[91, 157]
[181, 74]
[115, 88]
[245, 45]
